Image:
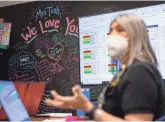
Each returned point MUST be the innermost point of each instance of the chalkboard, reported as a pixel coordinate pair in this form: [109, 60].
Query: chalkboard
[44, 44]
[48, 52]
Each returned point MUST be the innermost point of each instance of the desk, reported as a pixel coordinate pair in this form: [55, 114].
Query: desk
[44, 118]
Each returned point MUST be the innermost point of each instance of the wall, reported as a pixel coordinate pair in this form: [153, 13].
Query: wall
[44, 43]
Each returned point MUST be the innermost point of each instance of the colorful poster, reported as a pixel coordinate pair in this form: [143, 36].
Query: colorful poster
[5, 29]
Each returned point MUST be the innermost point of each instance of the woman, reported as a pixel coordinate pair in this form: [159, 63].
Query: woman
[136, 93]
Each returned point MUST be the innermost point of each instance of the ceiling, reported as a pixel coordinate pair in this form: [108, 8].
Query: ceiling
[9, 3]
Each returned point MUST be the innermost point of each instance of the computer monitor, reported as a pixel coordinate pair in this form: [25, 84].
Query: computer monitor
[96, 65]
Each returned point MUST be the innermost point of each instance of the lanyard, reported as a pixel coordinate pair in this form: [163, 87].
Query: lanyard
[118, 76]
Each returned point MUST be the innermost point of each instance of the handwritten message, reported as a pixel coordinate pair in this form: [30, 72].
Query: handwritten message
[44, 70]
[20, 46]
[22, 61]
[56, 68]
[73, 51]
[57, 37]
[43, 108]
[40, 54]
[56, 52]
[73, 40]
[74, 76]
[25, 60]
[23, 77]
[43, 43]
[47, 11]
[48, 26]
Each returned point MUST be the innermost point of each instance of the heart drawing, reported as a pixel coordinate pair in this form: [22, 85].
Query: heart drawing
[56, 52]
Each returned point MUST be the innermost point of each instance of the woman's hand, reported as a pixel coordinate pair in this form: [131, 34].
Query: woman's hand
[78, 101]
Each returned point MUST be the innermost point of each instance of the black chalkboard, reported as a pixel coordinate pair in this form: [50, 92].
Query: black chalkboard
[44, 44]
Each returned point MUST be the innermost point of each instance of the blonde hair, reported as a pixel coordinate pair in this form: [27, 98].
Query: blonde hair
[140, 47]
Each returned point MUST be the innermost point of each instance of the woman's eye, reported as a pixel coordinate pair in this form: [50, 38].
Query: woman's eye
[119, 29]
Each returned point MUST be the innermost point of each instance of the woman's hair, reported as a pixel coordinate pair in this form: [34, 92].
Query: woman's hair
[140, 47]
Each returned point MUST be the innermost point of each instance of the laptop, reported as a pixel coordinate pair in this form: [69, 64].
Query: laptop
[11, 102]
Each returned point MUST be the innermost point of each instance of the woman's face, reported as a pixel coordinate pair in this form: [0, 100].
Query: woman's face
[116, 29]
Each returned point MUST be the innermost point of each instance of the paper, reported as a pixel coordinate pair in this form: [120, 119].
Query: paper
[55, 114]
[54, 120]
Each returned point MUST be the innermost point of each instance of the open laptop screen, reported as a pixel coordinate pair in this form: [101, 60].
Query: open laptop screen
[11, 102]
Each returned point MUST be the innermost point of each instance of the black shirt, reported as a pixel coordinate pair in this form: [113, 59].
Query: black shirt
[139, 90]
